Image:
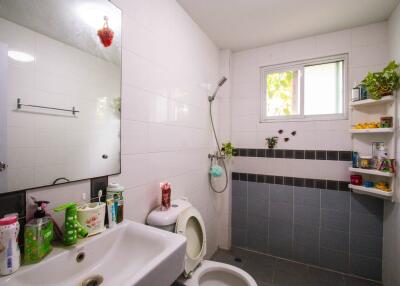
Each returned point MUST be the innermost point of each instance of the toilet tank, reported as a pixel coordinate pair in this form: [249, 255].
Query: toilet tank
[166, 219]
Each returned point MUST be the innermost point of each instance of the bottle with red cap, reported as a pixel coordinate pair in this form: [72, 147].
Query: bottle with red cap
[10, 257]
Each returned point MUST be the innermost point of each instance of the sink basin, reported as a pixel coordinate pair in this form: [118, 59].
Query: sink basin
[129, 254]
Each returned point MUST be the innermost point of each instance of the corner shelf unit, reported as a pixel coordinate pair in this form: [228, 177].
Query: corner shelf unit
[370, 172]
[372, 130]
[371, 191]
[372, 110]
[368, 102]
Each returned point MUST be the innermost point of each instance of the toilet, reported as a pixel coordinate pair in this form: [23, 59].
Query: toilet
[184, 219]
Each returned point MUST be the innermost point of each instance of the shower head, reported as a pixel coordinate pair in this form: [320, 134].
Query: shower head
[220, 83]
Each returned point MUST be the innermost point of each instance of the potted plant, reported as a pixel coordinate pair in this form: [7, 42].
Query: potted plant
[272, 141]
[382, 83]
[227, 149]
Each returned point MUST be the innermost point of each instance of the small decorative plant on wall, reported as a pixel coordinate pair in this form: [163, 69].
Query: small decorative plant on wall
[382, 83]
[227, 149]
[272, 141]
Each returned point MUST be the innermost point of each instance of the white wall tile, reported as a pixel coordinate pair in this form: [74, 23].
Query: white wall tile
[369, 35]
[334, 43]
[135, 137]
[369, 55]
[169, 69]
[368, 51]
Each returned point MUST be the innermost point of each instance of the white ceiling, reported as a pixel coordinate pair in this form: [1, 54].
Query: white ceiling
[243, 24]
[73, 22]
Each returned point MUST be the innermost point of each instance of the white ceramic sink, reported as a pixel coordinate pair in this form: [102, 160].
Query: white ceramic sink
[129, 254]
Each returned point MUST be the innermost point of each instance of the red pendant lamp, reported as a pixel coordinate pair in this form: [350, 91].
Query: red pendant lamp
[105, 34]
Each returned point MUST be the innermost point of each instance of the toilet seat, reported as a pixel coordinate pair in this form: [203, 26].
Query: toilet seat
[219, 274]
[191, 225]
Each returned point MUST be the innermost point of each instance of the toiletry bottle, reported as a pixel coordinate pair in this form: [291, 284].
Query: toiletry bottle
[112, 219]
[120, 213]
[355, 92]
[72, 227]
[116, 191]
[165, 196]
[38, 235]
[10, 256]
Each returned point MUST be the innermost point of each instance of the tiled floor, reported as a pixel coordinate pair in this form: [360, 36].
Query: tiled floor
[272, 271]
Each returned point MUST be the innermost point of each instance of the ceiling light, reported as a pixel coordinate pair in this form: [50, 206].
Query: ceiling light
[21, 56]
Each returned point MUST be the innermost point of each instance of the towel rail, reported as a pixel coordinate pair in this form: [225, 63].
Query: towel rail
[20, 105]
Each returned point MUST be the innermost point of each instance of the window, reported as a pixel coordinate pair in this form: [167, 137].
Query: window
[313, 89]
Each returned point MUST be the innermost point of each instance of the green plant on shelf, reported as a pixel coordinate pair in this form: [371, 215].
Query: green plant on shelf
[382, 83]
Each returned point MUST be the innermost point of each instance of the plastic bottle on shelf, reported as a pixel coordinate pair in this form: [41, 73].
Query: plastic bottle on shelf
[355, 92]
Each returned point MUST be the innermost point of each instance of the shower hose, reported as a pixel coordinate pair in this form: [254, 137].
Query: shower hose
[218, 156]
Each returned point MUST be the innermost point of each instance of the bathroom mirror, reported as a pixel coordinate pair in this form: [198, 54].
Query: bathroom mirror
[60, 91]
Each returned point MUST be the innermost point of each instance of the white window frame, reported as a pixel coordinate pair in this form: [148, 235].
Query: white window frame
[299, 65]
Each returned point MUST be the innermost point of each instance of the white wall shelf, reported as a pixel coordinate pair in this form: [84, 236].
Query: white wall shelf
[369, 102]
[370, 110]
[371, 191]
[372, 130]
[371, 172]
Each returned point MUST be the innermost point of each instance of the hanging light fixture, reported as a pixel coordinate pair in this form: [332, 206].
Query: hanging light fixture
[105, 34]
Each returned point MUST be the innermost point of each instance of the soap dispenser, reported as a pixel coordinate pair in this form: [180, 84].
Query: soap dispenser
[72, 227]
[38, 234]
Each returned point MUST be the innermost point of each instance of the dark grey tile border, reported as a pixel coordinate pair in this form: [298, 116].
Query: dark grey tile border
[252, 177]
[309, 183]
[261, 178]
[261, 152]
[290, 181]
[320, 184]
[242, 176]
[345, 155]
[299, 182]
[270, 179]
[251, 152]
[279, 153]
[310, 154]
[331, 155]
[278, 180]
[320, 154]
[243, 152]
[270, 153]
[288, 154]
[332, 185]
[299, 154]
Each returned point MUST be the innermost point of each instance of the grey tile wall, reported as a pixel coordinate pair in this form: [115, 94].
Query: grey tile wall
[334, 229]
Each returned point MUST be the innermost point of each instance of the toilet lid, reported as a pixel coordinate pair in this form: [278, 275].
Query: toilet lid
[191, 225]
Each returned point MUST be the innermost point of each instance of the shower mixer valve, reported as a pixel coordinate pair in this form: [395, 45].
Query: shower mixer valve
[216, 156]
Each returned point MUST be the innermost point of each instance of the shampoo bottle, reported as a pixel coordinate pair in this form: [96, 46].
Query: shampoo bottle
[38, 235]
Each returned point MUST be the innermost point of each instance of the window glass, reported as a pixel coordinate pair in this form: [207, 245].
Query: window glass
[282, 93]
[305, 90]
[323, 89]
